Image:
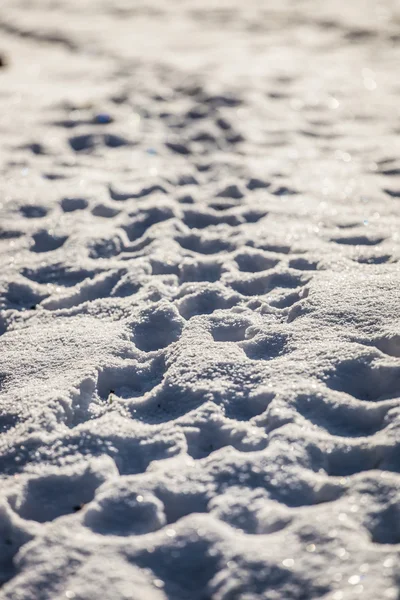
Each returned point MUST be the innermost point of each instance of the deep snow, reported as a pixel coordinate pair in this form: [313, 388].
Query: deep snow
[200, 332]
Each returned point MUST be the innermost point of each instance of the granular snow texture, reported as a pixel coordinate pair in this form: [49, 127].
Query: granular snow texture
[200, 307]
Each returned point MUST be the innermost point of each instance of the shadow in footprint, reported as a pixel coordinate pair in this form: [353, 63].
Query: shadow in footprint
[48, 497]
[196, 219]
[263, 284]
[142, 222]
[72, 204]
[46, 242]
[365, 380]
[340, 419]
[384, 526]
[372, 260]
[89, 142]
[303, 264]
[205, 302]
[358, 240]
[32, 211]
[389, 345]
[139, 192]
[392, 193]
[129, 381]
[59, 274]
[195, 243]
[20, 296]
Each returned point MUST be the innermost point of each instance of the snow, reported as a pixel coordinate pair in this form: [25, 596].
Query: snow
[199, 300]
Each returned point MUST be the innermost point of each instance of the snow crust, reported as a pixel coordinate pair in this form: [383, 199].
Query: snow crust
[200, 332]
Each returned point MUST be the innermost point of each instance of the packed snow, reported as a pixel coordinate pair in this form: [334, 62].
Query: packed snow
[200, 307]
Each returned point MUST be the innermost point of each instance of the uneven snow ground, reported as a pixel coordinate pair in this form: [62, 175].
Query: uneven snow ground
[200, 349]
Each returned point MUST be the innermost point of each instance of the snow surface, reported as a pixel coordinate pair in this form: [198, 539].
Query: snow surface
[200, 349]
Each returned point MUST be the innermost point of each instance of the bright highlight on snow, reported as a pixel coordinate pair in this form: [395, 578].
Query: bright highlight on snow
[199, 300]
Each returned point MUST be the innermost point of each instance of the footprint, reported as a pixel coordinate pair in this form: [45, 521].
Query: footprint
[186, 199]
[83, 143]
[179, 148]
[72, 204]
[157, 327]
[389, 345]
[372, 260]
[223, 124]
[105, 247]
[392, 193]
[203, 167]
[340, 419]
[204, 245]
[234, 138]
[54, 176]
[47, 242]
[390, 172]
[223, 100]
[127, 285]
[256, 286]
[303, 264]
[383, 527]
[47, 497]
[198, 111]
[8, 420]
[89, 142]
[359, 35]
[131, 380]
[263, 284]
[345, 460]
[59, 274]
[33, 211]
[207, 270]
[212, 432]
[21, 296]
[286, 300]
[257, 184]
[138, 192]
[206, 301]
[177, 504]
[231, 191]
[365, 381]
[223, 205]
[252, 513]
[358, 240]
[145, 219]
[253, 261]
[278, 248]
[14, 535]
[283, 191]
[231, 328]
[204, 136]
[9, 234]
[266, 346]
[35, 148]
[105, 211]
[124, 512]
[200, 219]
[254, 215]
[187, 180]
[90, 290]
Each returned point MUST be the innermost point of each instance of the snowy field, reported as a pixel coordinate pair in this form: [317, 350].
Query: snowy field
[200, 300]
